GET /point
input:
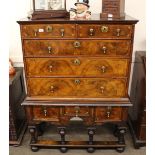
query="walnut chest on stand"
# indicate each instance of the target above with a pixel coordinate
(77, 69)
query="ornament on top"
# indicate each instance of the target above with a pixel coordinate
(81, 11)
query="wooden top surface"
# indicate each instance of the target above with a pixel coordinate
(94, 19)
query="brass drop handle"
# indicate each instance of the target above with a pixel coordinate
(45, 111)
(104, 49)
(62, 32)
(49, 49)
(49, 28)
(77, 110)
(91, 32)
(103, 69)
(77, 81)
(35, 32)
(77, 62)
(77, 44)
(118, 32)
(50, 68)
(104, 29)
(108, 112)
(102, 89)
(52, 89)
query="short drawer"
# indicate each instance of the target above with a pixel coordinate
(77, 66)
(48, 31)
(103, 114)
(43, 113)
(77, 87)
(50, 48)
(105, 31)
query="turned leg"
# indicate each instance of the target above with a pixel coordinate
(33, 132)
(62, 132)
(121, 131)
(91, 132)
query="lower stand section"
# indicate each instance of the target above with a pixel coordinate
(90, 145)
(78, 145)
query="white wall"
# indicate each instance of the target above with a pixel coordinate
(20, 8)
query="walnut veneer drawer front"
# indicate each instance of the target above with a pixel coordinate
(46, 113)
(77, 47)
(108, 114)
(77, 87)
(105, 31)
(48, 31)
(76, 67)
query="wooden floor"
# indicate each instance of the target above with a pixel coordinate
(103, 133)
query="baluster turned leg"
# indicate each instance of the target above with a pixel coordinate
(91, 132)
(33, 132)
(62, 132)
(120, 132)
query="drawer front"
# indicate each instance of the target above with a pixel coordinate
(77, 87)
(103, 114)
(48, 31)
(76, 67)
(43, 113)
(76, 111)
(77, 47)
(105, 31)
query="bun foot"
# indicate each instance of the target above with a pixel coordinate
(90, 150)
(63, 149)
(34, 148)
(120, 149)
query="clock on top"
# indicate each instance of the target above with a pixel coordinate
(44, 9)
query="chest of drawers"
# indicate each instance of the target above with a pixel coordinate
(77, 69)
